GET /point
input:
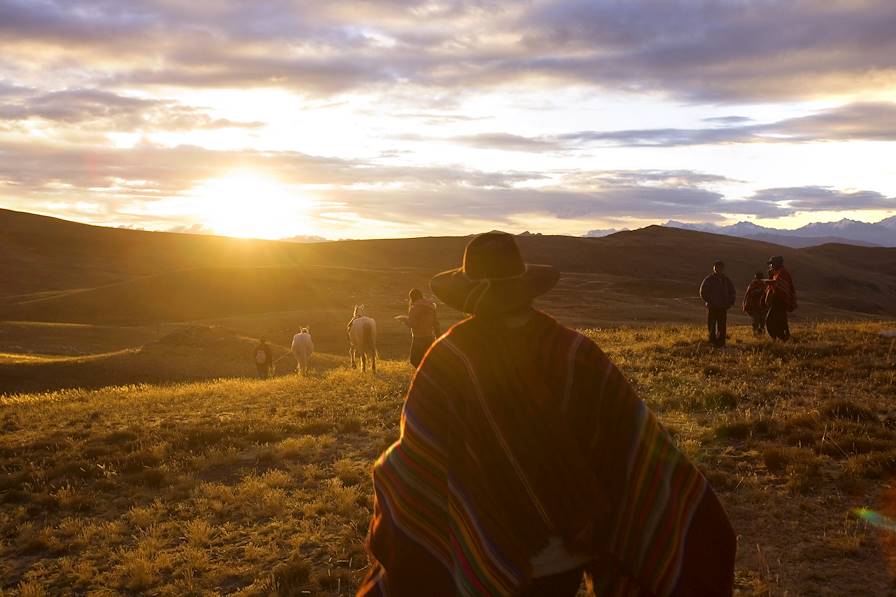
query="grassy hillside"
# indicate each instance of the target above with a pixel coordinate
(40, 254)
(83, 305)
(63, 339)
(36, 357)
(187, 295)
(187, 353)
(246, 487)
(66, 272)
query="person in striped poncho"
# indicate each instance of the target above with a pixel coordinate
(526, 460)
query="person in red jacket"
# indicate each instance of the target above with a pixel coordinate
(754, 303)
(526, 461)
(780, 299)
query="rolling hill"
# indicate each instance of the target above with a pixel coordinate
(60, 271)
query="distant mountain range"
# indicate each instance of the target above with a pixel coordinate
(850, 232)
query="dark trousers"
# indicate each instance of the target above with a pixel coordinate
(565, 584)
(776, 323)
(758, 317)
(264, 370)
(717, 322)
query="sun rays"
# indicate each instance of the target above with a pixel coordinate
(251, 205)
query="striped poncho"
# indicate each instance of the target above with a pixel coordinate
(512, 436)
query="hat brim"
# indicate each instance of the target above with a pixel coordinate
(493, 295)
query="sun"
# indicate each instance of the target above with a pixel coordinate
(249, 205)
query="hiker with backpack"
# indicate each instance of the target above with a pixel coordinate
(754, 303)
(424, 324)
(527, 460)
(780, 298)
(264, 359)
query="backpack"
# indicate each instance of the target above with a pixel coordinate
(753, 300)
(261, 357)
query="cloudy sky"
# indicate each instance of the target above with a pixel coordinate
(373, 118)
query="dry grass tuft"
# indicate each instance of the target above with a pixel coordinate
(31, 589)
(291, 577)
(198, 532)
(847, 409)
(740, 429)
(775, 458)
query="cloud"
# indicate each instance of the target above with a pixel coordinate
(113, 44)
(666, 137)
(503, 205)
(152, 171)
(697, 51)
(8, 89)
(812, 198)
(369, 190)
(77, 22)
(137, 178)
(138, 185)
(73, 71)
(645, 177)
(753, 206)
(866, 121)
(727, 120)
(110, 111)
(717, 51)
(507, 142)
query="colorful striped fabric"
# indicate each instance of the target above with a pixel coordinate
(511, 436)
(781, 291)
(652, 522)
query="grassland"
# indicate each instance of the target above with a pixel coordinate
(258, 487)
(185, 353)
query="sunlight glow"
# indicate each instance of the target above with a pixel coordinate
(875, 519)
(248, 205)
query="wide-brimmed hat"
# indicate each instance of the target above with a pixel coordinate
(493, 277)
(775, 261)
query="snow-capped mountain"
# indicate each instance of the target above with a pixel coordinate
(601, 232)
(846, 231)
